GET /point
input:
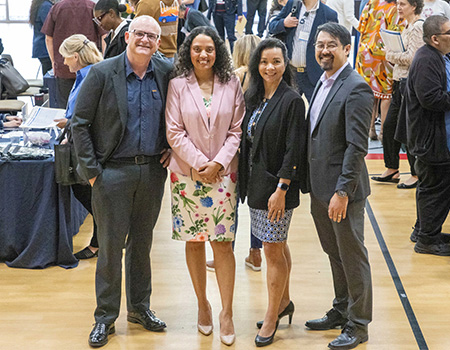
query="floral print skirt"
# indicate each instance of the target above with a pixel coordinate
(203, 212)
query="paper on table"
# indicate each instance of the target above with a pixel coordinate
(241, 25)
(392, 40)
(43, 118)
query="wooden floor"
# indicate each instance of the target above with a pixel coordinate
(53, 308)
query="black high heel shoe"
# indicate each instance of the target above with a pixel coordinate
(264, 341)
(289, 310)
(388, 178)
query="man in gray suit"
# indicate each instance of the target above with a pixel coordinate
(119, 138)
(338, 119)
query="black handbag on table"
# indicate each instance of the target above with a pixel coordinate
(66, 162)
(10, 79)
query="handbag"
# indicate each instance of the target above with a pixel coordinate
(203, 6)
(66, 163)
(10, 79)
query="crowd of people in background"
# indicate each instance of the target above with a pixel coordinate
(149, 85)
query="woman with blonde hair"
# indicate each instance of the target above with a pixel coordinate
(243, 48)
(79, 55)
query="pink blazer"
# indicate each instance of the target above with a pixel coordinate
(193, 140)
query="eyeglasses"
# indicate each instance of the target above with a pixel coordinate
(446, 33)
(303, 19)
(329, 47)
(98, 20)
(140, 35)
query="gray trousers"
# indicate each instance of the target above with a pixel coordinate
(126, 200)
(344, 244)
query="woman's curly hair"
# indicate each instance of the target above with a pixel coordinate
(222, 67)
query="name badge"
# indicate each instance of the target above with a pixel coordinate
(303, 36)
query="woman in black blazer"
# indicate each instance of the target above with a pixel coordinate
(107, 15)
(271, 164)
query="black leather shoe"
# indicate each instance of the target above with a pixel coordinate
(332, 319)
(264, 341)
(99, 334)
(406, 187)
(147, 319)
(289, 310)
(350, 338)
(436, 248)
(388, 178)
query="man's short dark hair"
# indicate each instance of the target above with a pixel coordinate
(432, 26)
(337, 31)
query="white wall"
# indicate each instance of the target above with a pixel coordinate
(17, 39)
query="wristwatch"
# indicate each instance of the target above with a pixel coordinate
(342, 193)
(283, 186)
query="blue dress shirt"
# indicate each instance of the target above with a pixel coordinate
(81, 74)
(144, 132)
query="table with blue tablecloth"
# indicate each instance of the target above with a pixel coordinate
(38, 217)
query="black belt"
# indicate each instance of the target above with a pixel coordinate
(138, 160)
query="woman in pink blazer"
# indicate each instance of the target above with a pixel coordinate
(204, 112)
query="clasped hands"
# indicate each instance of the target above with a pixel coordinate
(207, 173)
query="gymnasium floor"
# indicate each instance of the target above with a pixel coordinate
(53, 308)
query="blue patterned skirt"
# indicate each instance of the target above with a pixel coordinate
(266, 231)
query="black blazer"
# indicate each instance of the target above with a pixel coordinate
(194, 19)
(426, 101)
(118, 45)
(101, 111)
(278, 151)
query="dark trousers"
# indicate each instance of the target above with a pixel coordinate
(391, 147)
(126, 199)
(304, 85)
(63, 88)
(255, 242)
(432, 198)
(225, 21)
(252, 7)
(344, 244)
(84, 193)
(46, 63)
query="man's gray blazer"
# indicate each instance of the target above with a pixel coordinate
(338, 143)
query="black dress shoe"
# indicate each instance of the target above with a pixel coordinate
(405, 186)
(86, 253)
(436, 248)
(350, 338)
(289, 310)
(332, 319)
(99, 334)
(147, 319)
(264, 341)
(388, 178)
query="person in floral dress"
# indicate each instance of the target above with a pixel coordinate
(204, 111)
(371, 62)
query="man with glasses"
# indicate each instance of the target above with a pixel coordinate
(427, 101)
(66, 18)
(339, 119)
(299, 20)
(119, 137)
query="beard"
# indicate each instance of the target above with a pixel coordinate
(328, 64)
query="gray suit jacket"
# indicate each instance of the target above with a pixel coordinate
(101, 111)
(338, 144)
